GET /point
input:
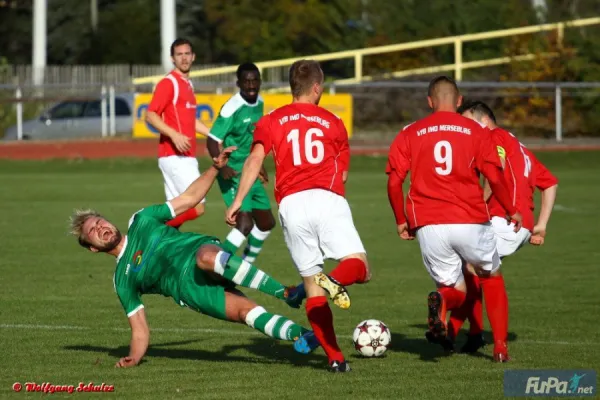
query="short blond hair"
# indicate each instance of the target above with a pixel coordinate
(303, 75)
(76, 222)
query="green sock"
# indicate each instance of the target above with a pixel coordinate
(273, 325)
(247, 275)
(233, 241)
(255, 243)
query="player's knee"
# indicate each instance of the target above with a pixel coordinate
(265, 224)
(367, 276)
(244, 223)
(206, 256)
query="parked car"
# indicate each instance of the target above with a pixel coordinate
(77, 119)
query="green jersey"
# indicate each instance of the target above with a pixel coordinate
(235, 127)
(154, 257)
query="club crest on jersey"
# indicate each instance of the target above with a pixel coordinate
(137, 261)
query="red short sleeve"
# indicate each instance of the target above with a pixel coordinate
(162, 97)
(262, 133)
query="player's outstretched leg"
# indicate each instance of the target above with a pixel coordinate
(321, 320)
(351, 269)
(212, 259)
(239, 308)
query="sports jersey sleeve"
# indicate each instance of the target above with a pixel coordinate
(398, 157)
(130, 300)
(262, 133)
(161, 212)
(222, 126)
(544, 179)
(162, 97)
(397, 168)
(488, 163)
(344, 158)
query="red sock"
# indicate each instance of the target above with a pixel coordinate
(321, 320)
(189, 215)
(470, 309)
(496, 305)
(476, 314)
(349, 271)
(453, 299)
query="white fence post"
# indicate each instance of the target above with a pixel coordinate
(458, 60)
(112, 111)
(103, 112)
(558, 112)
(19, 95)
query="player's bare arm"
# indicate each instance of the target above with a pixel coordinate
(200, 187)
(140, 337)
(213, 148)
(201, 128)
(539, 230)
(250, 172)
(181, 142)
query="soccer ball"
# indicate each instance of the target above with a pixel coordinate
(371, 338)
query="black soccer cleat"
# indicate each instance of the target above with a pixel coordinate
(437, 327)
(339, 366)
(473, 344)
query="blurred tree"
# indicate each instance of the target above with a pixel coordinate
(15, 32)
(248, 30)
(128, 33)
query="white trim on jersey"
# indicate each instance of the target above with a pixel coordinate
(234, 103)
(175, 98)
(175, 88)
(124, 245)
(213, 137)
(173, 215)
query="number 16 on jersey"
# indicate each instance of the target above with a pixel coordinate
(314, 152)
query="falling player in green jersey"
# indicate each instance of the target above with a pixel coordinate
(235, 127)
(193, 269)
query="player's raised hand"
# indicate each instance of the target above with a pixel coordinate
(221, 160)
(538, 236)
(404, 232)
(182, 143)
(125, 362)
(518, 220)
(232, 213)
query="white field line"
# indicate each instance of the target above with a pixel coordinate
(229, 332)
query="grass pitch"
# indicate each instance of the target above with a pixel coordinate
(62, 323)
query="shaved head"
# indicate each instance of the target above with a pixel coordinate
(443, 94)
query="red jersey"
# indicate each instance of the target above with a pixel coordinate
(517, 172)
(444, 152)
(174, 101)
(310, 148)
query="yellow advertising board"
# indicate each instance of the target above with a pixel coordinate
(209, 105)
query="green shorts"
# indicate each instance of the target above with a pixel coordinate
(257, 198)
(200, 292)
